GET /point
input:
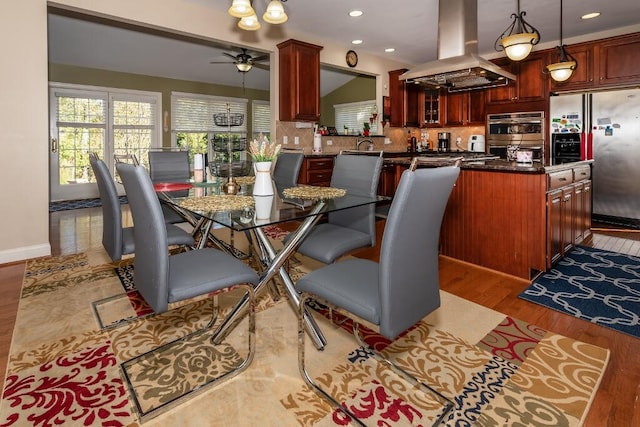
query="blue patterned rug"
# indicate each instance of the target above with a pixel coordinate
(595, 285)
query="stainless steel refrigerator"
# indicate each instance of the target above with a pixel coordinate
(609, 126)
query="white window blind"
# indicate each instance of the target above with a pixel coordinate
(261, 118)
(194, 113)
(354, 114)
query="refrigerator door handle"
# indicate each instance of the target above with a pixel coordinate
(589, 145)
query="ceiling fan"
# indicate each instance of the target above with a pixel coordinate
(244, 61)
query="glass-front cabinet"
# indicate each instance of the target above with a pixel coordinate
(432, 104)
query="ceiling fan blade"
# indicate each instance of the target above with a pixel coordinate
(234, 57)
(221, 62)
(261, 66)
(260, 58)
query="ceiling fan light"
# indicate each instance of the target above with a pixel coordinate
(244, 67)
(275, 13)
(518, 46)
(241, 9)
(249, 23)
(561, 71)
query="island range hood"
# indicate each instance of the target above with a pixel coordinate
(459, 67)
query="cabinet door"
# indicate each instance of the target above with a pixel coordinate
(432, 108)
(617, 61)
(396, 95)
(387, 182)
(586, 210)
(554, 227)
(568, 218)
(413, 94)
(299, 80)
(532, 82)
(579, 217)
(456, 105)
(582, 77)
(476, 108)
(507, 93)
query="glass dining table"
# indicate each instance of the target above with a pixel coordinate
(206, 204)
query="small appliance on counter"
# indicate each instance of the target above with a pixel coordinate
(476, 143)
(444, 141)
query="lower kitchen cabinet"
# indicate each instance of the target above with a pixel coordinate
(316, 170)
(387, 181)
(568, 211)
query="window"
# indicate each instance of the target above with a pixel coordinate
(193, 124)
(353, 116)
(261, 118)
(133, 125)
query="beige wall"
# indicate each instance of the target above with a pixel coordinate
(24, 171)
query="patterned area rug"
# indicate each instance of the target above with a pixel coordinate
(598, 286)
(64, 370)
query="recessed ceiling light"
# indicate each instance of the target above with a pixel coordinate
(390, 49)
(356, 42)
(355, 13)
(591, 15)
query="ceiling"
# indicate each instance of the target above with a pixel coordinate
(411, 29)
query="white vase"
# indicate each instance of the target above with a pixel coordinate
(263, 185)
(263, 208)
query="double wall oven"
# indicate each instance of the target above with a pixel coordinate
(509, 132)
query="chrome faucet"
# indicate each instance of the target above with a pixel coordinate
(361, 140)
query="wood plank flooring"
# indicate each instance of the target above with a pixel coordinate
(617, 403)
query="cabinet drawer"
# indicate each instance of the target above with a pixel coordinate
(319, 177)
(323, 163)
(582, 172)
(560, 179)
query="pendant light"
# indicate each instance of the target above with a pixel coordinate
(519, 37)
(561, 71)
(275, 13)
(241, 9)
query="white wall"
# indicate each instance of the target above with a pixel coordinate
(24, 164)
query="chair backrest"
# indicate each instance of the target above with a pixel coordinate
(287, 169)
(151, 264)
(169, 166)
(358, 174)
(111, 210)
(409, 283)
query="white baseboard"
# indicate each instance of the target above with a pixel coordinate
(26, 252)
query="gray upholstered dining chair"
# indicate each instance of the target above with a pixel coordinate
(169, 166)
(287, 169)
(163, 279)
(116, 240)
(349, 229)
(403, 287)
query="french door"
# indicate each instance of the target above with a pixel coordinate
(106, 121)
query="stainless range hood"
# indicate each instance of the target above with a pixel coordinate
(459, 67)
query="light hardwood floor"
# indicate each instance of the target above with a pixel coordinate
(616, 404)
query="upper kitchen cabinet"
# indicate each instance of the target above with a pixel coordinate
(406, 99)
(529, 89)
(299, 77)
(431, 108)
(465, 108)
(603, 63)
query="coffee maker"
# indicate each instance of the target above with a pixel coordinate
(444, 139)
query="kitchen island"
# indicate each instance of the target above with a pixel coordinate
(514, 218)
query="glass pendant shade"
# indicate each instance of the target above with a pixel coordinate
(241, 9)
(275, 13)
(244, 67)
(250, 23)
(518, 46)
(561, 71)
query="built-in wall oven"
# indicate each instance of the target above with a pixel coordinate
(509, 132)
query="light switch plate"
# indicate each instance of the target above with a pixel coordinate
(285, 140)
(296, 140)
(329, 142)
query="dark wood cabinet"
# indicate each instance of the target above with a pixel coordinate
(405, 101)
(465, 108)
(387, 181)
(299, 77)
(616, 61)
(316, 170)
(530, 87)
(431, 108)
(603, 63)
(555, 222)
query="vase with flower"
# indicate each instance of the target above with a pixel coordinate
(263, 153)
